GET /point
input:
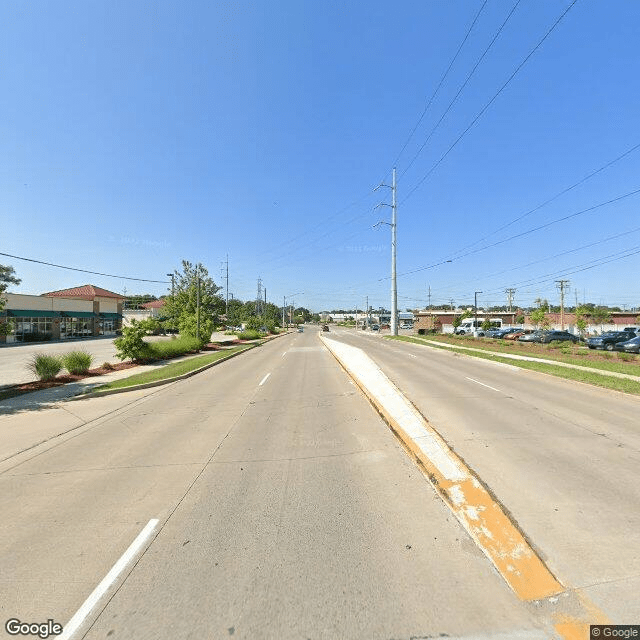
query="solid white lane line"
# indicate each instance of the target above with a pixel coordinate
(72, 626)
(483, 384)
(264, 379)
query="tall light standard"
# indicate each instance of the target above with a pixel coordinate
(475, 308)
(393, 225)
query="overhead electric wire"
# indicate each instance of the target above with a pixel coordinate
(442, 79)
(484, 109)
(553, 198)
(461, 89)
(524, 233)
(95, 273)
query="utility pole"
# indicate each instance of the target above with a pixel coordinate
(510, 293)
(394, 225)
(368, 314)
(198, 304)
(475, 307)
(172, 276)
(284, 301)
(226, 311)
(562, 285)
(429, 296)
(259, 297)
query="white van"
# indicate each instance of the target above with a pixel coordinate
(470, 325)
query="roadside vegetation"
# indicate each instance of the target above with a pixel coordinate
(173, 370)
(559, 351)
(590, 377)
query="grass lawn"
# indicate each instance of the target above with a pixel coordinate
(595, 378)
(172, 370)
(604, 360)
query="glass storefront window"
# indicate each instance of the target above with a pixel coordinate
(26, 329)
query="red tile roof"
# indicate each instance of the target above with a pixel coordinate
(86, 292)
(154, 304)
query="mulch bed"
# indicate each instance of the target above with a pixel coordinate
(58, 381)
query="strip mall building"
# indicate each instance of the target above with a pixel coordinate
(58, 315)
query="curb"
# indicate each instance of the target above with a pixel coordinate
(158, 383)
(472, 503)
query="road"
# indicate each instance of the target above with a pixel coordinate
(287, 508)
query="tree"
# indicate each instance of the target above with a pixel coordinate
(600, 315)
(457, 321)
(181, 307)
(539, 318)
(582, 314)
(7, 277)
(519, 319)
(486, 325)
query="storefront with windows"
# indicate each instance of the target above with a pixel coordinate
(82, 312)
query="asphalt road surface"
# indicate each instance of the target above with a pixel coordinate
(286, 507)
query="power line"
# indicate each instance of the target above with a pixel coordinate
(442, 79)
(482, 111)
(553, 198)
(524, 233)
(95, 273)
(460, 90)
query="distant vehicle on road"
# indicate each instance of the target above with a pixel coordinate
(300, 330)
(629, 346)
(608, 340)
(325, 327)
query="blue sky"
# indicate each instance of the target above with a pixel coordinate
(136, 134)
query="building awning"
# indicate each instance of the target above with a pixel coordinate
(32, 313)
(79, 314)
(111, 316)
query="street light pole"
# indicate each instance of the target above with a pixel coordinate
(198, 303)
(475, 308)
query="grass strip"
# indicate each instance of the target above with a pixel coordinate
(581, 358)
(595, 378)
(171, 370)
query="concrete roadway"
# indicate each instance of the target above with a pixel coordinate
(287, 508)
(561, 456)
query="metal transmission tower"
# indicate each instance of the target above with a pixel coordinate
(393, 225)
(562, 285)
(510, 293)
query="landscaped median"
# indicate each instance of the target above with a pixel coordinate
(167, 373)
(590, 368)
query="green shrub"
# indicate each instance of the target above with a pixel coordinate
(626, 357)
(131, 344)
(45, 367)
(36, 337)
(77, 362)
(171, 348)
(249, 334)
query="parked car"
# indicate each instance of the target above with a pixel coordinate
(608, 340)
(517, 334)
(375, 327)
(300, 330)
(500, 332)
(628, 346)
(535, 336)
(561, 336)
